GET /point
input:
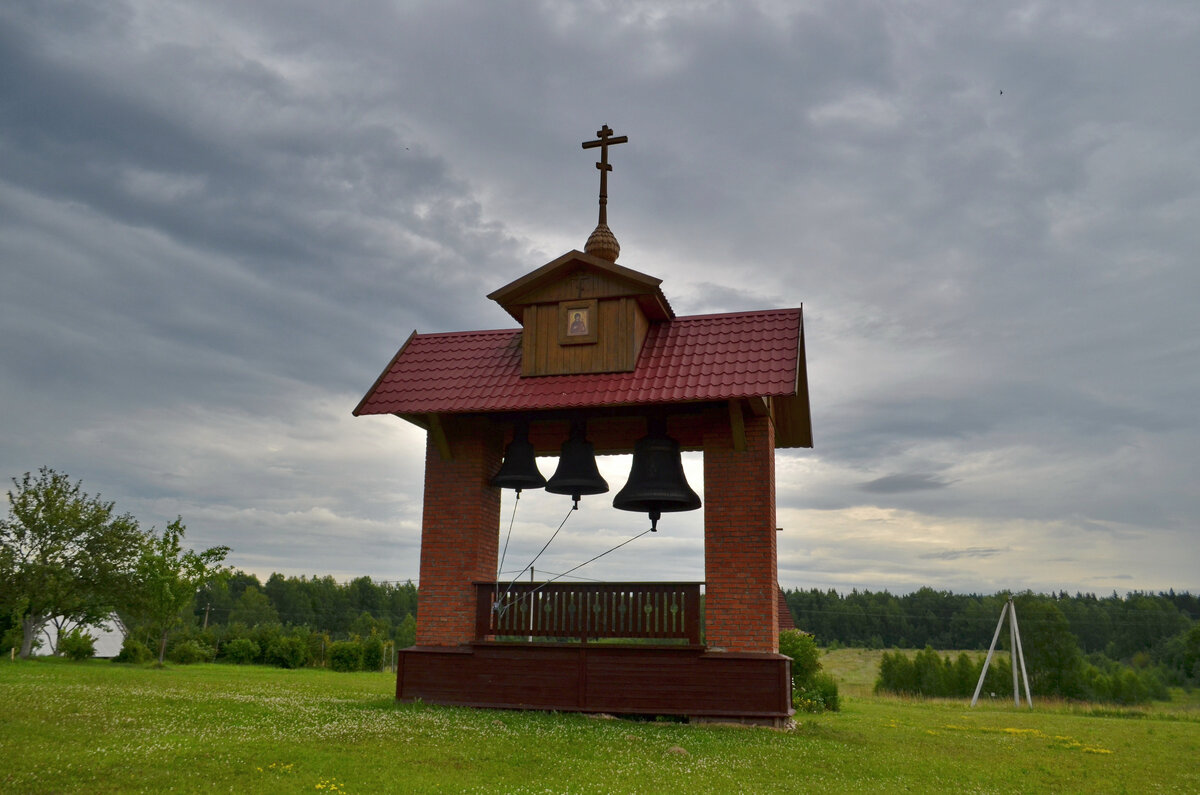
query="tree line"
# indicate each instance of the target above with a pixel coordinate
(1118, 626)
(1126, 649)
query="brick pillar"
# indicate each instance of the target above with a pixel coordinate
(459, 531)
(741, 596)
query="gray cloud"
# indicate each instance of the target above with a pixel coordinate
(895, 484)
(218, 221)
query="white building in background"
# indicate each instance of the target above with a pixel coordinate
(108, 635)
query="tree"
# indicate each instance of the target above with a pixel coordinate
(169, 577)
(62, 553)
(253, 608)
(1052, 657)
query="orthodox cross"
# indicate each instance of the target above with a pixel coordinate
(604, 141)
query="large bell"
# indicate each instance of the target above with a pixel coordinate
(519, 470)
(656, 481)
(577, 473)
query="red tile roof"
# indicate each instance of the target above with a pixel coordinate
(698, 358)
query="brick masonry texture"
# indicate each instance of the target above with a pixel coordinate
(459, 531)
(741, 591)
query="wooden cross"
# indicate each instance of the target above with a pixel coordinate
(604, 141)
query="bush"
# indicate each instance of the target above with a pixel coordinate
(134, 651)
(372, 654)
(264, 635)
(345, 656)
(77, 645)
(287, 652)
(241, 651)
(812, 691)
(191, 651)
(820, 694)
(802, 648)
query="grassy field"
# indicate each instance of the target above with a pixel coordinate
(99, 727)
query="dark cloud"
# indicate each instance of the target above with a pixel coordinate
(898, 483)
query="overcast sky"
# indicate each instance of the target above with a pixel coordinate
(219, 221)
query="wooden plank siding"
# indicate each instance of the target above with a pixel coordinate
(622, 331)
(636, 680)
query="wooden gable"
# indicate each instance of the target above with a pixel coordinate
(582, 314)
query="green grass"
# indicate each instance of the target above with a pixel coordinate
(100, 727)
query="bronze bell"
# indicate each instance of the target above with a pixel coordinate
(656, 481)
(519, 470)
(577, 473)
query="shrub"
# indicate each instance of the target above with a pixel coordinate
(134, 651)
(287, 652)
(802, 648)
(345, 656)
(812, 691)
(77, 645)
(372, 654)
(191, 651)
(241, 651)
(818, 695)
(264, 635)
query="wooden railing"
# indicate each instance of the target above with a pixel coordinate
(589, 611)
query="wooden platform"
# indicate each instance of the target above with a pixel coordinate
(687, 681)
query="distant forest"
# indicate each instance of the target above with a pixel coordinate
(360, 607)
(1117, 626)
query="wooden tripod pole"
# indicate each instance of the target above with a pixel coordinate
(1017, 656)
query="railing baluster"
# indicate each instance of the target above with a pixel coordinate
(588, 611)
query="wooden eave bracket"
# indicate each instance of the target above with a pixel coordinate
(737, 425)
(438, 434)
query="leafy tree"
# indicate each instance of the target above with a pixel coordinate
(254, 608)
(406, 633)
(1052, 657)
(62, 553)
(169, 577)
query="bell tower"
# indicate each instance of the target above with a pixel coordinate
(600, 363)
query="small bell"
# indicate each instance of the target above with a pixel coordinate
(577, 473)
(519, 470)
(656, 483)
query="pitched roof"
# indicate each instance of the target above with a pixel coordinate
(516, 294)
(697, 358)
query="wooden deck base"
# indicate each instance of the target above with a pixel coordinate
(622, 680)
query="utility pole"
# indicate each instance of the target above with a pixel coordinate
(206, 609)
(1016, 654)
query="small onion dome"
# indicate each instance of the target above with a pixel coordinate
(603, 244)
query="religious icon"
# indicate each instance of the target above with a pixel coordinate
(577, 322)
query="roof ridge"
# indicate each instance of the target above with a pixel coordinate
(749, 313)
(474, 332)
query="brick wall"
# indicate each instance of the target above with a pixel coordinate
(741, 597)
(461, 523)
(459, 531)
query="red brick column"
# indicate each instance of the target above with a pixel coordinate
(741, 597)
(459, 531)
